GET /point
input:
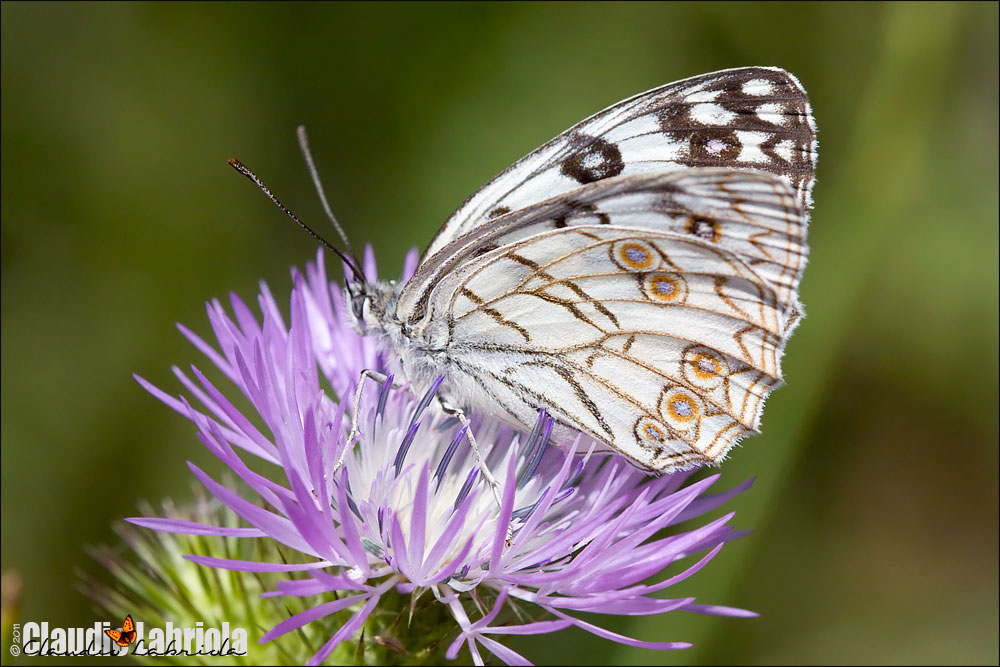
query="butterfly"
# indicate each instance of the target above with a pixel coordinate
(126, 635)
(636, 277)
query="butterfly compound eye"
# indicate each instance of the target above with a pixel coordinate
(358, 306)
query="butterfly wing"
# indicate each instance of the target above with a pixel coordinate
(751, 118)
(639, 315)
(751, 214)
(126, 635)
(128, 630)
(117, 637)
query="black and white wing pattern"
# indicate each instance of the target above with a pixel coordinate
(637, 276)
(647, 311)
(747, 118)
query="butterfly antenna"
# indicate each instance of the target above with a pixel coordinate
(240, 167)
(314, 173)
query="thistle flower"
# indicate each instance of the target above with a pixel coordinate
(409, 522)
(156, 585)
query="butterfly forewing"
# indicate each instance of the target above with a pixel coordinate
(749, 118)
(752, 215)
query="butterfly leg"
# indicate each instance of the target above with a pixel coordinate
(487, 475)
(355, 430)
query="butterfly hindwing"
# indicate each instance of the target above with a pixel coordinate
(748, 118)
(620, 368)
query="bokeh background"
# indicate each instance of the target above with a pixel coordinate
(875, 507)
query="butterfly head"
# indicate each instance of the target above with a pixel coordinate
(369, 303)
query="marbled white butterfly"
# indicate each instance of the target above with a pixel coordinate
(636, 277)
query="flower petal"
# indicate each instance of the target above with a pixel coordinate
(192, 528)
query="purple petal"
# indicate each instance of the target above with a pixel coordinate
(314, 461)
(371, 272)
(716, 610)
(321, 582)
(192, 528)
(269, 307)
(410, 264)
(619, 603)
(506, 508)
(537, 628)
(310, 615)
(450, 532)
(621, 639)
(254, 566)
(398, 543)
(301, 588)
(497, 606)
(677, 578)
(418, 522)
(217, 359)
(509, 656)
(346, 631)
(707, 503)
(351, 536)
(449, 569)
(244, 317)
(277, 527)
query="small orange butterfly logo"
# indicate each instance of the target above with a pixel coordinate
(126, 635)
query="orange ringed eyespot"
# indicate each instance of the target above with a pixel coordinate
(705, 367)
(664, 287)
(636, 256)
(653, 433)
(682, 408)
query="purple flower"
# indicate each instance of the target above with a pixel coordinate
(409, 512)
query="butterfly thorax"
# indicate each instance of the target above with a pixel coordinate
(373, 314)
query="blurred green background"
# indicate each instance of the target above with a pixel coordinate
(875, 508)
